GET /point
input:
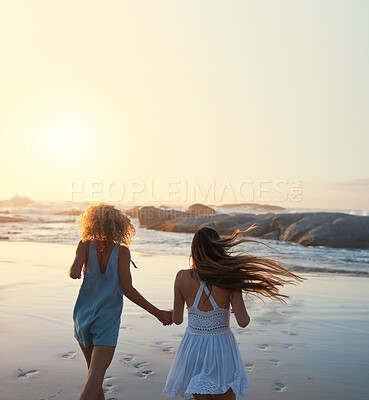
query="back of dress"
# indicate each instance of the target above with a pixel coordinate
(208, 360)
(99, 304)
(207, 322)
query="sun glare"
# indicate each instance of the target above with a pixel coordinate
(64, 140)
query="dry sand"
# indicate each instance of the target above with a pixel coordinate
(315, 348)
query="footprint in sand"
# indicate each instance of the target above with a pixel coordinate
(52, 396)
(249, 367)
(263, 332)
(264, 347)
(126, 327)
(168, 350)
(288, 346)
(289, 333)
(279, 387)
(127, 358)
(266, 322)
(242, 331)
(26, 374)
(160, 344)
(275, 362)
(140, 364)
(165, 348)
(70, 354)
(144, 374)
(107, 387)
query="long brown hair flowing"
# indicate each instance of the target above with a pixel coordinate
(216, 263)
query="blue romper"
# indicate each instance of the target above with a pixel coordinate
(99, 304)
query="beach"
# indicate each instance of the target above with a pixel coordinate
(315, 347)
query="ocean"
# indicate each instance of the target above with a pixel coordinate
(43, 225)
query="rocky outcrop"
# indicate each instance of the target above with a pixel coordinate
(200, 209)
(338, 230)
(153, 217)
(309, 229)
(132, 212)
(69, 212)
(253, 206)
(5, 219)
(16, 201)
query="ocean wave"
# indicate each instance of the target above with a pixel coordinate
(46, 227)
(328, 271)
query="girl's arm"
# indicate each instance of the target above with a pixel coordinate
(238, 305)
(165, 317)
(179, 300)
(80, 258)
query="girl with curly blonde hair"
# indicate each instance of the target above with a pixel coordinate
(104, 256)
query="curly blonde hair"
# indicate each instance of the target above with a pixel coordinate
(105, 223)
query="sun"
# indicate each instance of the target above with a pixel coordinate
(64, 140)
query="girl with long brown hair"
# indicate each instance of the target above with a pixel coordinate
(208, 364)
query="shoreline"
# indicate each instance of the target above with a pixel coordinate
(317, 346)
(294, 262)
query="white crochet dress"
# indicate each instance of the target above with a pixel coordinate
(208, 360)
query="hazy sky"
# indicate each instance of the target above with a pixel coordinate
(186, 90)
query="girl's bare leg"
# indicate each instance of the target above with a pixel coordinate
(100, 360)
(229, 395)
(87, 352)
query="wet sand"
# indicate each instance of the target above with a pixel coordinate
(317, 347)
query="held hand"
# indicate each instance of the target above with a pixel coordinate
(165, 317)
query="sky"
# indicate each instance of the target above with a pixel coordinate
(109, 98)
